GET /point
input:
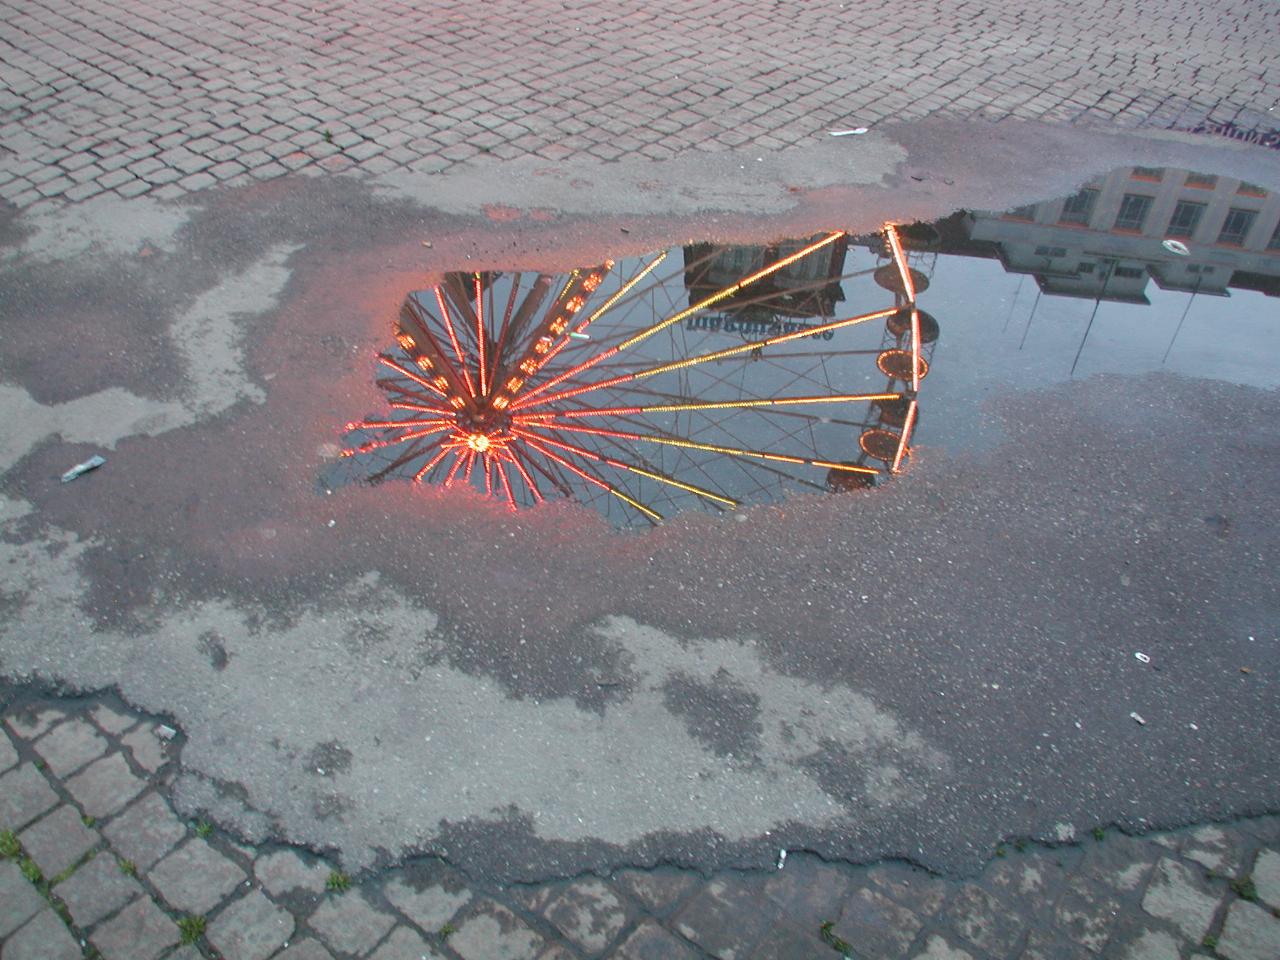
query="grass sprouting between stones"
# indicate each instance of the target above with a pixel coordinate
(338, 882)
(192, 928)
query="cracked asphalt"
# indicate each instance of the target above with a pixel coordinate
(378, 672)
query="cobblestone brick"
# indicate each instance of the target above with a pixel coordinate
(195, 877)
(724, 916)
(404, 944)
(589, 914)
(110, 720)
(44, 937)
(284, 870)
(8, 755)
(492, 932)
(30, 725)
(877, 924)
(58, 840)
(105, 786)
(252, 928)
(24, 795)
(19, 900)
(1250, 933)
(350, 924)
(1266, 877)
(306, 950)
(145, 832)
(649, 941)
(981, 919)
(1179, 896)
(96, 890)
(428, 897)
(146, 748)
(140, 931)
(660, 889)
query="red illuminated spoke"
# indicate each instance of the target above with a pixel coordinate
(429, 466)
(416, 449)
(481, 344)
(524, 475)
(453, 339)
(458, 460)
(651, 514)
(372, 445)
(589, 384)
(632, 468)
(551, 473)
(504, 482)
(406, 372)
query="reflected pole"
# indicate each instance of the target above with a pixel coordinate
(1111, 266)
(1181, 321)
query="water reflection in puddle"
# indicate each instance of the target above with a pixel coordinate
(713, 375)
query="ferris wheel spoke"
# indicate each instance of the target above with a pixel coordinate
(690, 361)
(591, 477)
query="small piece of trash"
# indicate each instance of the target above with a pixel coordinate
(1176, 246)
(426, 243)
(1246, 669)
(165, 732)
(93, 463)
(333, 523)
(782, 858)
(1143, 657)
(1138, 718)
(1193, 726)
(624, 230)
(847, 133)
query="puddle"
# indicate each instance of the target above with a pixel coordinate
(707, 376)
(921, 668)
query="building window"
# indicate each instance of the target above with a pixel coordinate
(1251, 190)
(1185, 219)
(1132, 273)
(1153, 174)
(1236, 227)
(1051, 252)
(1085, 268)
(1079, 208)
(1133, 211)
(1201, 181)
(1274, 242)
(1196, 268)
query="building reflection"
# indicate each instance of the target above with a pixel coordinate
(809, 286)
(804, 294)
(1107, 241)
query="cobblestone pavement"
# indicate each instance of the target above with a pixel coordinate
(158, 97)
(95, 863)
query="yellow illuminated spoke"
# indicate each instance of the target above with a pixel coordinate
(591, 478)
(700, 305)
(710, 405)
(632, 468)
(731, 290)
(702, 358)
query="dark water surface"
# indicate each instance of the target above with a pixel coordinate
(667, 377)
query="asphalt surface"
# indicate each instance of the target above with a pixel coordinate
(918, 671)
